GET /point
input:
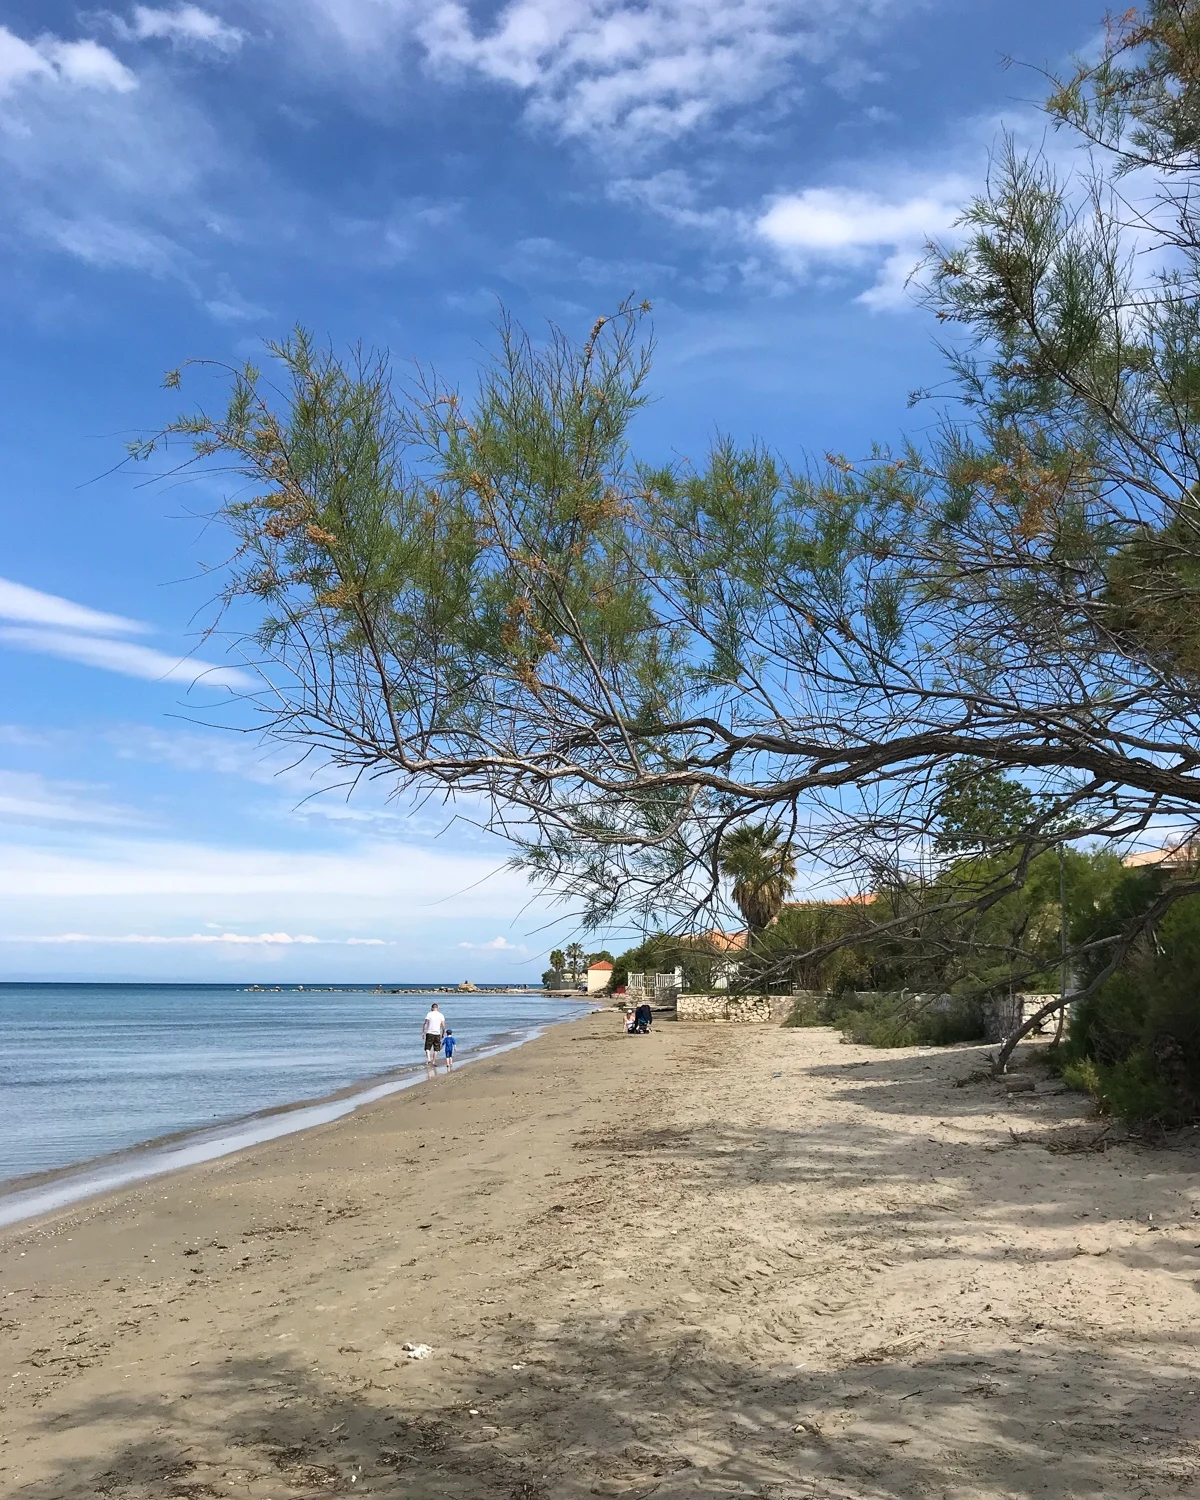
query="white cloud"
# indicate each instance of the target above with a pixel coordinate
(824, 221)
(497, 945)
(849, 227)
(109, 244)
(105, 164)
(70, 64)
(653, 70)
(418, 901)
(19, 61)
(649, 71)
(60, 627)
(86, 64)
(32, 607)
(392, 877)
(27, 796)
(125, 657)
(185, 26)
(238, 939)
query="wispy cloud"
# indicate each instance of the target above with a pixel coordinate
(223, 754)
(22, 736)
(211, 899)
(105, 159)
(32, 607)
(58, 627)
(675, 196)
(125, 657)
(110, 244)
(388, 876)
(183, 26)
(29, 797)
(497, 945)
(201, 939)
(646, 72)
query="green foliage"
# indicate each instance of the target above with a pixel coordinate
(1134, 1044)
(1141, 98)
(762, 868)
(892, 1020)
(979, 807)
(552, 978)
(806, 928)
(1083, 1076)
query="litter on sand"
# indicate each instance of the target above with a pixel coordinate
(417, 1351)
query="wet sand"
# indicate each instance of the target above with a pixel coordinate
(642, 1266)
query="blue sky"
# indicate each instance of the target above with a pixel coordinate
(186, 180)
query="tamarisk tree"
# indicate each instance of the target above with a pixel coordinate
(487, 595)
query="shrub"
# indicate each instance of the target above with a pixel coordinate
(891, 1020)
(816, 1008)
(1084, 1078)
(1134, 1045)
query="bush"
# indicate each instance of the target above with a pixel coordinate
(891, 1020)
(1133, 1090)
(815, 1008)
(1084, 1078)
(1134, 1045)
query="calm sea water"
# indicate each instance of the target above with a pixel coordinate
(89, 1069)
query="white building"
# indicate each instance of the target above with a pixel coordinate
(598, 976)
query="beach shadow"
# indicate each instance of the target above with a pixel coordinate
(634, 1406)
(935, 1194)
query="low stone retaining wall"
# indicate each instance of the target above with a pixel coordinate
(726, 1007)
(1002, 1016)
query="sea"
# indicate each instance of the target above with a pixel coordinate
(89, 1072)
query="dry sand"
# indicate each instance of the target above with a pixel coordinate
(711, 1262)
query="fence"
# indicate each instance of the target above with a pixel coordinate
(661, 989)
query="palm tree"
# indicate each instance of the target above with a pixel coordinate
(575, 958)
(762, 870)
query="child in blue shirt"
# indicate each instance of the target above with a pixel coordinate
(448, 1049)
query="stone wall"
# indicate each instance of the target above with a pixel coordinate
(1007, 1013)
(1002, 1015)
(726, 1007)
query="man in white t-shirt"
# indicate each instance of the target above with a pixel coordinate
(433, 1029)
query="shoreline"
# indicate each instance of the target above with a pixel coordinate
(28, 1197)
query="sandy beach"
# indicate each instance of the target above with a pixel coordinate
(711, 1262)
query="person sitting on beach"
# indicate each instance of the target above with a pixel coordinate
(448, 1049)
(433, 1029)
